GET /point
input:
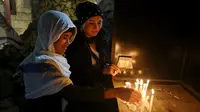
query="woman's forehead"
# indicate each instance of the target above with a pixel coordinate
(95, 18)
(66, 33)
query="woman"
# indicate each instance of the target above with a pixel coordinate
(46, 71)
(87, 57)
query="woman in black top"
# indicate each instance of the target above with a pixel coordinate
(87, 58)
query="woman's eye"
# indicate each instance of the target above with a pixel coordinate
(91, 23)
(100, 23)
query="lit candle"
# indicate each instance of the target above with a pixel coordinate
(151, 101)
(146, 102)
(137, 80)
(142, 105)
(148, 81)
(136, 85)
(128, 84)
(144, 89)
(124, 72)
(141, 84)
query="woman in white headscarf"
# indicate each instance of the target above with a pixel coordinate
(46, 71)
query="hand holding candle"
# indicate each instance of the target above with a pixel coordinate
(128, 94)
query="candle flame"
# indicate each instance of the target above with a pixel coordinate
(133, 61)
(140, 71)
(152, 91)
(141, 82)
(128, 84)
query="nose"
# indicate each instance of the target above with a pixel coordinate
(67, 42)
(96, 26)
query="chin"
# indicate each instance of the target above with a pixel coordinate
(93, 35)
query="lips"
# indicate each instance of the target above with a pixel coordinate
(95, 32)
(65, 47)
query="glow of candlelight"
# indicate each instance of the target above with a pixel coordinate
(140, 71)
(137, 80)
(141, 82)
(136, 85)
(128, 84)
(144, 89)
(124, 72)
(148, 81)
(151, 101)
(152, 91)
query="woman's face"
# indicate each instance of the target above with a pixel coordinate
(92, 26)
(62, 43)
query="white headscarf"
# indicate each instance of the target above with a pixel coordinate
(50, 27)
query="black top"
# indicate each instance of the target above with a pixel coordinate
(52, 103)
(84, 73)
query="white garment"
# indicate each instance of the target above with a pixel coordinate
(96, 53)
(50, 27)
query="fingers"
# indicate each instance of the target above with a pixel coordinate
(129, 94)
(135, 96)
(114, 70)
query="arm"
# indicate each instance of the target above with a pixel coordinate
(86, 94)
(83, 94)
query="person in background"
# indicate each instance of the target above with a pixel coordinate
(46, 74)
(87, 58)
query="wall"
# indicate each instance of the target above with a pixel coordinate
(165, 35)
(2, 7)
(23, 16)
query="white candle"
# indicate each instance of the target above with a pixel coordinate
(144, 90)
(128, 84)
(136, 85)
(151, 101)
(137, 80)
(142, 106)
(141, 84)
(148, 83)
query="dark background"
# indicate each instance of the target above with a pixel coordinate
(166, 35)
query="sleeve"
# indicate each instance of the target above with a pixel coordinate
(82, 72)
(82, 94)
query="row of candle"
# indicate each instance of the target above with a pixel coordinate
(142, 88)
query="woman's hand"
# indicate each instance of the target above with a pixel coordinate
(128, 94)
(111, 69)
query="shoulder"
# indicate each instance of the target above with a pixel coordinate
(41, 67)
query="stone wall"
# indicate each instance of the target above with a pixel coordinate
(23, 16)
(21, 20)
(66, 6)
(2, 7)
